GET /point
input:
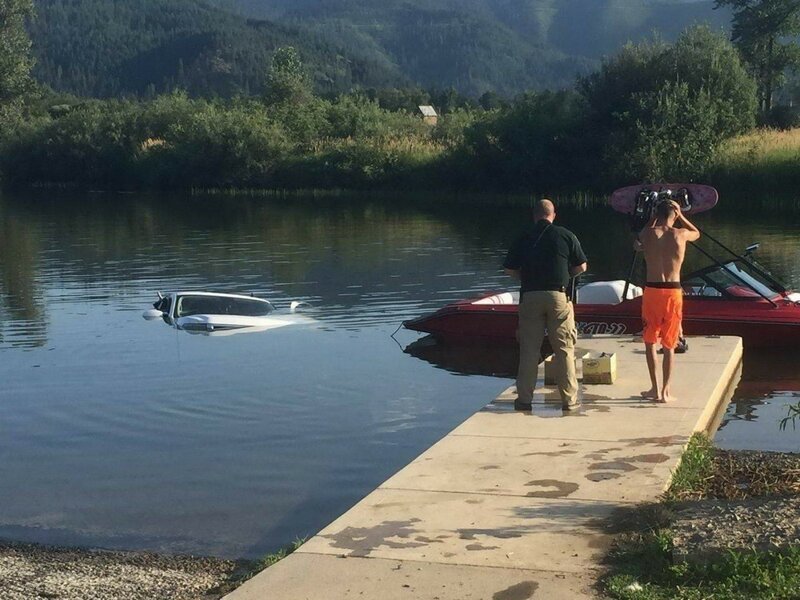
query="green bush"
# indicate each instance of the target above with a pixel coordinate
(674, 139)
(304, 123)
(356, 117)
(657, 110)
(537, 144)
(171, 142)
(93, 144)
(451, 128)
(214, 146)
(368, 163)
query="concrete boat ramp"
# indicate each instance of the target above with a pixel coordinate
(512, 506)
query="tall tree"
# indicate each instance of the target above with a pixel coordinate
(288, 80)
(659, 112)
(764, 32)
(15, 48)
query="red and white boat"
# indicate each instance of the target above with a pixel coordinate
(737, 297)
(716, 302)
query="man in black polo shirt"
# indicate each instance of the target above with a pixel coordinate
(544, 259)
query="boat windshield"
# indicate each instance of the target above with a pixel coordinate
(736, 280)
(221, 305)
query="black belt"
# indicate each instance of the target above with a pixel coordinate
(664, 285)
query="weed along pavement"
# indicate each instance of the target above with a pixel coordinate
(514, 505)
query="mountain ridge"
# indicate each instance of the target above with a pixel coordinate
(550, 41)
(223, 47)
(138, 47)
(557, 23)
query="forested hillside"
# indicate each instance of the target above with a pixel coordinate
(480, 45)
(587, 28)
(445, 46)
(223, 47)
(141, 47)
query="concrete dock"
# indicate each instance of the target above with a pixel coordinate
(509, 505)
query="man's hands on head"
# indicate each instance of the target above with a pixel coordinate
(678, 213)
(691, 232)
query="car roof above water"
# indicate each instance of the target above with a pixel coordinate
(219, 295)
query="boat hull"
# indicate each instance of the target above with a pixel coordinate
(757, 322)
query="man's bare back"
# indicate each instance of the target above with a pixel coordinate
(664, 247)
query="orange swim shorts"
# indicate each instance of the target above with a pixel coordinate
(662, 311)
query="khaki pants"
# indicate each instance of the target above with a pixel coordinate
(538, 310)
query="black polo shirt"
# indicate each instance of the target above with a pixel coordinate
(544, 256)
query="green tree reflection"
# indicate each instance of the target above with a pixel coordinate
(21, 299)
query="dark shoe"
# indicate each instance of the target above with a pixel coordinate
(522, 405)
(682, 347)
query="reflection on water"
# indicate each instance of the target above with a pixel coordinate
(22, 310)
(752, 422)
(467, 360)
(770, 383)
(126, 434)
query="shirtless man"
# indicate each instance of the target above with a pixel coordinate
(664, 246)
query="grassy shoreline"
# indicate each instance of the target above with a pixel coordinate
(643, 565)
(762, 166)
(762, 161)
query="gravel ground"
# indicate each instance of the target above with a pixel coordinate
(751, 501)
(31, 572)
(709, 528)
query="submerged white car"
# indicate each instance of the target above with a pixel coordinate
(207, 312)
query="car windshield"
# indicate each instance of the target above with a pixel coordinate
(221, 305)
(736, 280)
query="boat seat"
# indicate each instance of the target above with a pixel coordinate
(504, 298)
(606, 292)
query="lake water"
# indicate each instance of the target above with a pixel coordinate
(122, 433)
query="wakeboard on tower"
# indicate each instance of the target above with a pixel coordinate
(640, 201)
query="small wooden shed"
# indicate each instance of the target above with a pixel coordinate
(429, 115)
